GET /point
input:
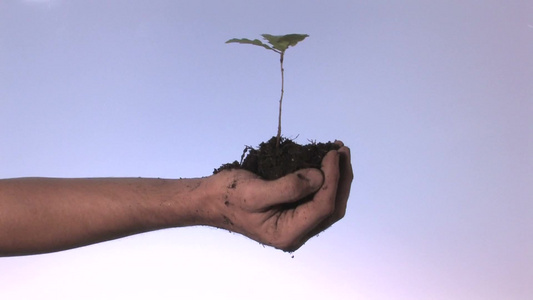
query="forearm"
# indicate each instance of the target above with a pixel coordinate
(45, 214)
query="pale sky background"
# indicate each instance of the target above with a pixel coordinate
(435, 99)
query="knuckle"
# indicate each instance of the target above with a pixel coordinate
(294, 189)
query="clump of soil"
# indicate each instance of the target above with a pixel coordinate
(271, 163)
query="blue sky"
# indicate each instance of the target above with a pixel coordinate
(434, 99)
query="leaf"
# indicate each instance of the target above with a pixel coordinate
(282, 42)
(248, 41)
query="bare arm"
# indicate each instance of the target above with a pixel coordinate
(47, 214)
(39, 215)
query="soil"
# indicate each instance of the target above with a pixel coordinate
(271, 163)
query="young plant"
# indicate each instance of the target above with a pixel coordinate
(278, 44)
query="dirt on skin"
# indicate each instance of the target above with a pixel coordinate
(271, 163)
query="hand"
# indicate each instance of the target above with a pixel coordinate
(278, 213)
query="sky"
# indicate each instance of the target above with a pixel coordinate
(434, 99)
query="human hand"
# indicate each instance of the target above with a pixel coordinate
(284, 213)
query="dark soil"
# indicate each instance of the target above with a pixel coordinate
(271, 163)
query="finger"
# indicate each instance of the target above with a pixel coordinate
(343, 193)
(324, 200)
(345, 183)
(290, 188)
(309, 215)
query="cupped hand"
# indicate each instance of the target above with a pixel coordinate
(286, 212)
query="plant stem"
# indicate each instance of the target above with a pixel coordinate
(278, 137)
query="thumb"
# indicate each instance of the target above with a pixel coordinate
(293, 187)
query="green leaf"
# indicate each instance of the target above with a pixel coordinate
(248, 41)
(282, 42)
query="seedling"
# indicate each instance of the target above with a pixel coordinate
(278, 44)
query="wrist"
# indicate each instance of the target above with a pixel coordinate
(190, 202)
